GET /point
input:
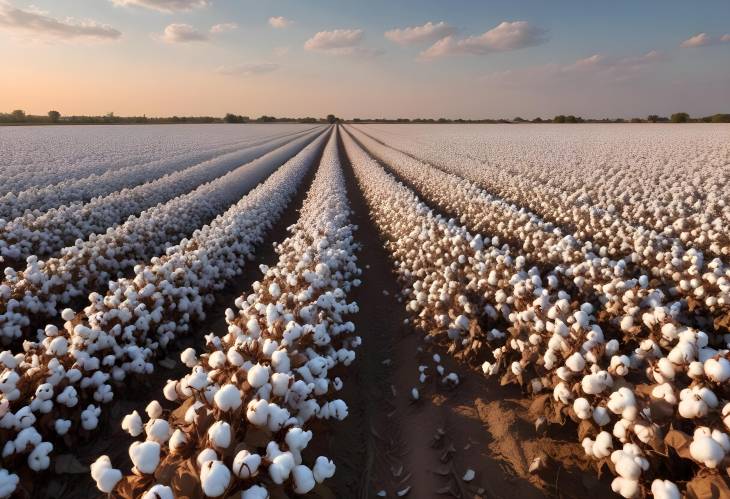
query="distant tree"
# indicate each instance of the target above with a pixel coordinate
(537, 120)
(680, 118)
(18, 115)
(571, 119)
(331, 118)
(559, 118)
(635, 120)
(54, 116)
(230, 118)
(519, 120)
(652, 118)
(720, 118)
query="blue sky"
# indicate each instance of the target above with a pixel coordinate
(528, 58)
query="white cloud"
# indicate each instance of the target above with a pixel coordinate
(280, 22)
(249, 69)
(703, 39)
(182, 33)
(333, 40)
(223, 28)
(164, 5)
(429, 32)
(41, 25)
(504, 37)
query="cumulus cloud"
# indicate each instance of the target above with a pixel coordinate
(249, 69)
(341, 42)
(280, 22)
(41, 25)
(182, 33)
(164, 5)
(703, 39)
(429, 32)
(223, 28)
(504, 37)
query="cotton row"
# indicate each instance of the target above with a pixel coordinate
(240, 417)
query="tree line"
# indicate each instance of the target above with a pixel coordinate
(19, 117)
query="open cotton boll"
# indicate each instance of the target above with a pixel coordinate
(303, 479)
(625, 487)
(575, 362)
(217, 359)
(189, 357)
(257, 412)
(323, 469)
(206, 455)
(582, 408)
(281, 467)
(38, 460)
(704, 449)
(255, 492)
(132, 424)
(158, 430)
(718, 370)
(158, 492)
(228, 398)
(62, 426)
(145, 456)
(245, 464)
(214, 478)
(153, 410)
(105, 476)
(177, 441)
(258, 376)
(664, 489)
(219, 434)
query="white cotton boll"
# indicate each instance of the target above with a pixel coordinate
(323, 469)
(303, 479)
(696, 370)
(170, 390)
(217, 360)
(145, 456)
(158, 430)
(603, 446)
(625, 487)
(219, 434)
(255, 492)
(623, 402)
(414, 394)
(258, 376)
(38, 460)
(280, 361)
(601, 416)
(177, 440)
(159, 492)
(228, 398)
(214, 478)
(280, 384)
(664, 489)
(132, 424)
(253, 328)
(707, 451)
(67, 314)
(582, 408)
(234, 358)
(245, 464)
(575, 362)
(62, 426)
(257, 412)
(206, 455)
(105, 476)
(58, 346)
(718, 370)
(281, 467)
(562, 393)
(189, 357)
(153, 410)
(593, 384)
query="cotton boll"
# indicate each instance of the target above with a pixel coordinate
(158, 430)
(575, 362)
(707, 451)
(38, 460)
(145, 456)
(189, 357)
(664, 489)
(303, 479)
(258, 376)
(718, 370)
(132, 424)
(159, 492)
(170, 390)
(219, 434)
(206, 455)
(601, 416)
(177, 441)
(281, 467)
(105, 476)
(62, 426)
(245, 464)
(625, 487)
(323, 469)
(228, 398)
(214, 478)
(255, 492)
(582, 408)
(257, 412)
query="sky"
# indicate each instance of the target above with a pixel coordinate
(366, 58)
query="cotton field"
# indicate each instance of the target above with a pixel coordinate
(365, 310)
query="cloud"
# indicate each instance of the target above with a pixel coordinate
(703, 39)
(182, 33)
(40, 24)
(280, 22)
(223, 28)
(429, 32)
(249, 69)
(341, 42)
(164, 5)
(597, 67)
(502, 38)
(281, 51)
